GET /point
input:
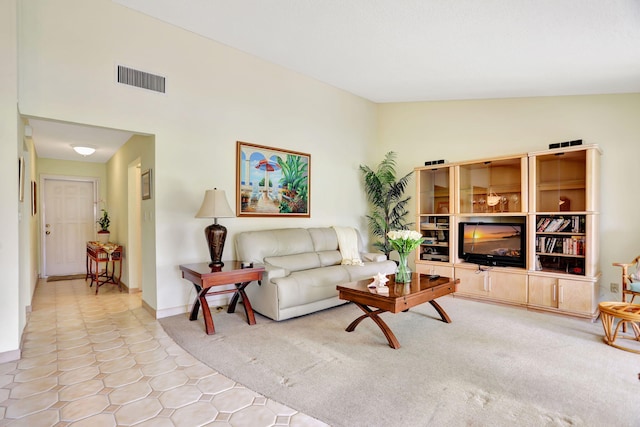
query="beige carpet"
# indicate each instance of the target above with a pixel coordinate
(493, 366)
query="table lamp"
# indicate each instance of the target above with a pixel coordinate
(215, 206)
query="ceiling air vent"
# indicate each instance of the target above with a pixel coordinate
(137, 78)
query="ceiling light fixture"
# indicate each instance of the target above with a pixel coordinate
(84, 150)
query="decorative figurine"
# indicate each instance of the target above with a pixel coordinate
(379, 284)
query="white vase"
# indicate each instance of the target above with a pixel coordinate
(103, 237)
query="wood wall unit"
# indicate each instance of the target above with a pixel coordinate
(435, 202)
(561, 185)
(496, 284)
(558, 294)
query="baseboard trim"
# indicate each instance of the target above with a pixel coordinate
(10, 356)
(214, 301)
(174, 311)
(149, 309)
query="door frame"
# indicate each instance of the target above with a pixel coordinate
(43, 209)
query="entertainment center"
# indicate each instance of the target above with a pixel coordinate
(520, 229)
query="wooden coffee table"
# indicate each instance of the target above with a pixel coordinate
(401, 297)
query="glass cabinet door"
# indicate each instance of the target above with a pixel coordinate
(434, 191)
(492, 186)
(561, 182)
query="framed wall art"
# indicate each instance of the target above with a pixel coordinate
(145, 178)
(272, 181)
(34, 198)
(21, 178)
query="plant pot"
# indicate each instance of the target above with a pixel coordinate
(103, 236)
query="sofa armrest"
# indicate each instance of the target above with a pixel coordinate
(373, 257)
(273, 272)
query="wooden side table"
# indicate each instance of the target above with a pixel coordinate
(204, 278)
(107, 253)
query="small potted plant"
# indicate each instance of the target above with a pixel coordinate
(104, 222)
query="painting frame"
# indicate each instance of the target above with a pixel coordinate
(21, 178)
(145, 184)
(286, 193)
(34, 198)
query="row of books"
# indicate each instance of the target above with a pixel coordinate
(573, 245)
(573, 224)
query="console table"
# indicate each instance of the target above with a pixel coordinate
(107, 253)
(204, 278)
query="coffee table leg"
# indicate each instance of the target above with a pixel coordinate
(373, 315)
(443, 314)
(251, 318)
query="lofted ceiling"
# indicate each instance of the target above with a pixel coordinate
(422, 50)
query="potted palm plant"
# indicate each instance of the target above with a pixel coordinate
(385, 193)
(104, 222)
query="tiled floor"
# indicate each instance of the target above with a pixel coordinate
(104, 361)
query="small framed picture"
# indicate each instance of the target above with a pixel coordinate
(21, 178)
(146, 184)
(34, 198)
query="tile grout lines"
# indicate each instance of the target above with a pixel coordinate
(102, 360)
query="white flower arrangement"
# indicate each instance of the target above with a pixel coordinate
(404, 241)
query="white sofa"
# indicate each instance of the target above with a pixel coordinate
(302, 268)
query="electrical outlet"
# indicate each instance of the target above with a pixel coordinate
(614, 287)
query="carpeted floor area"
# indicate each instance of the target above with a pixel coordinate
(493, 365)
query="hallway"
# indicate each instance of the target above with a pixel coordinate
(104, 361)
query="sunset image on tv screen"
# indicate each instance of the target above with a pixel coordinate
(494, 239)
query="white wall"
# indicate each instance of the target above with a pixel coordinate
(467, 130)
(215, 97)
(139, 149)
(10, 149)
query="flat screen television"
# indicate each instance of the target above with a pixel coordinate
(497, 244)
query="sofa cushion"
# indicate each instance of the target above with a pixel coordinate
(369, 269)
(324, 239)
(295, 262)
(255, 246)
(329, 258)
(373, 257)
(302, 287)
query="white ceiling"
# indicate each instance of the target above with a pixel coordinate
(421, 50)
(418, 50)
(54, 140)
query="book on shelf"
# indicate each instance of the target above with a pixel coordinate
(565, 225)
(544, 222)
(554, 225)
(561, 224)
(574, 245)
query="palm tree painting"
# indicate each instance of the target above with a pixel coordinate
(271, 181)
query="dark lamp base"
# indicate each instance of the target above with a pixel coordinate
(216, 234)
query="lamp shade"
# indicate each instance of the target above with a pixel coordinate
(215, 205)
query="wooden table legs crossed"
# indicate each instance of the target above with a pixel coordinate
(401, 297)
(204, 278)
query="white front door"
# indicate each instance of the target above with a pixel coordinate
(68, 223)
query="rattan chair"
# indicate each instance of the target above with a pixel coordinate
(628, 279)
